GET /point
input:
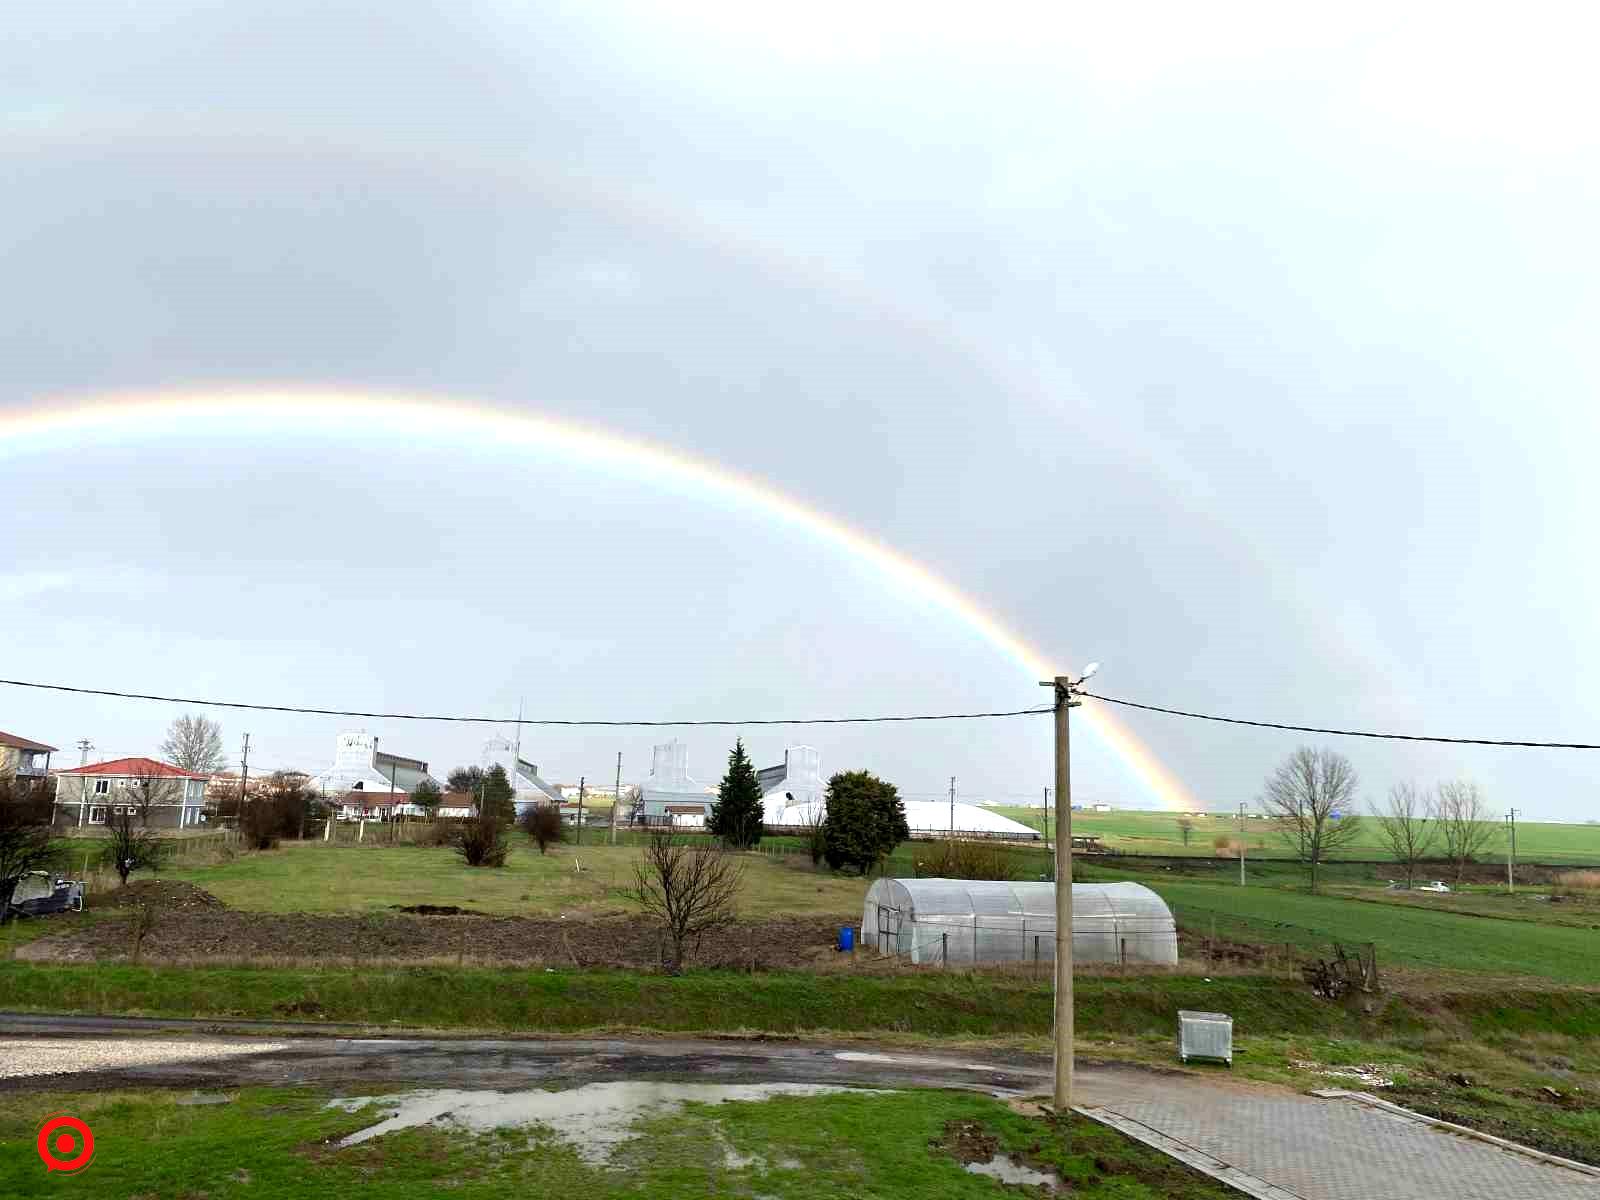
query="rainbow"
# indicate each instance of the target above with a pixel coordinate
(232, 411)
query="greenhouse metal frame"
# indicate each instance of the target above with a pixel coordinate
(997, 921)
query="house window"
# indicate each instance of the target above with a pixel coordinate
(97, 816)
(102, 787)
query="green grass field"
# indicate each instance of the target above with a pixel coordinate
(272, 1144)
(1158, 833)
(575, 880)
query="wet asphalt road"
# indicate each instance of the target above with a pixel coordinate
(497, 1064)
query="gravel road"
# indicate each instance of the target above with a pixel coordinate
(27, 1057)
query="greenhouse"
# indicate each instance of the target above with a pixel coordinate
(983, 921)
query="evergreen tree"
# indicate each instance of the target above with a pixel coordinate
(865, 821)
(496, 797)
(737, 816)
(426, 796)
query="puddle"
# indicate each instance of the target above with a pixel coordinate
(202, 1099)
(912, 1060)
(595, 1118)
(1007, 1170)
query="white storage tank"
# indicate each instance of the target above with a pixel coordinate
(983, 920)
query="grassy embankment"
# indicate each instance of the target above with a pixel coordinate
(268, 1144)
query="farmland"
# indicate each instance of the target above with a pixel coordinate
(1159, 833)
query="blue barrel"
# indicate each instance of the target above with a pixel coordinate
(847, 938)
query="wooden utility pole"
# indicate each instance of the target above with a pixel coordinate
(244, 775)
(1242, 840)
(616, 799)
(579, 840)
(1062, 1099)
(1511, 852)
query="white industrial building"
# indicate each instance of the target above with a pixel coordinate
(360, 770)
(669, 795)
(796, 780)
(926, 818)
(524, 776)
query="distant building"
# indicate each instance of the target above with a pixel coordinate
(524, 776)
(89, 795)
(24, 758)
(796, 780)
(670, 796)
(1099, 807)
(370, 783)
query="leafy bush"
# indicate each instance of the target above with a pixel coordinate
(865, 821)
(542, 824)
(481, 841)
(955, 859)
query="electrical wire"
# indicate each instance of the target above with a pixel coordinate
(1358, 733)
(397, 716)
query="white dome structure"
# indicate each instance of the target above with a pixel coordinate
(925, 817)
(982, 920)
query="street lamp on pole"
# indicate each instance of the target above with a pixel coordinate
(1065, 688)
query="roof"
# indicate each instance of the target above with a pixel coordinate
(134, 766)
(22, 743)
(923, 816)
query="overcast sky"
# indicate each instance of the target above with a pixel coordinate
(1250, 354)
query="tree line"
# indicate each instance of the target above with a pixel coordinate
(1312, 795)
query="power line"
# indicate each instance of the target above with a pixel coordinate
(1360, 733)
(396, 716)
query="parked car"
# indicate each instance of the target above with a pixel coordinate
(1438, 885)
(38, 895)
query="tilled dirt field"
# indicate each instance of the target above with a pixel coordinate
(188, 935)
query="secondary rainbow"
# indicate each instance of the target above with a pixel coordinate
(232, 411)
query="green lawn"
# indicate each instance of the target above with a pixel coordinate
(267, 1144)
(1406, 932)
(1158, 833)
(312, 877)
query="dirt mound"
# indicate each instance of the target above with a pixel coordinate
(164, 894)
(436, 910)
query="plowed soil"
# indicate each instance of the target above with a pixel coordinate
(201, 935)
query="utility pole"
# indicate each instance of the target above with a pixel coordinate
(1063, 687)
(1511, 852)
(244, 775)
(952, 806)
(616, 799)
(84, 746)
(1241, 843)
(581, 781)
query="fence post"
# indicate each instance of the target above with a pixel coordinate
(944, 950)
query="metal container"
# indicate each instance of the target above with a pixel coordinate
(1205, 1035)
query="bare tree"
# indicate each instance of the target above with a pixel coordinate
(130, 847)
(1185, 829)
(690, 889)
(24, 835)
(147, 791)
(195, 744)
(1407, 826)
(1313, 794)
(1464, 824)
